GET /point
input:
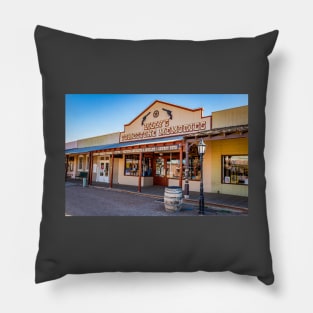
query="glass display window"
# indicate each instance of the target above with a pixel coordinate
(235, 169)
(131, 166)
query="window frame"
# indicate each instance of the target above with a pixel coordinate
(231, 181)
(80, 157)
(131, 157)
(147, 165)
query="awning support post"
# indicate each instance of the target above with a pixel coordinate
(181, 166)
(186, 192)
(90, 165)
(140, 172)
(111, 171)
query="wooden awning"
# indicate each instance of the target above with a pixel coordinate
(229, 132)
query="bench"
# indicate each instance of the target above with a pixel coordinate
(82, 175)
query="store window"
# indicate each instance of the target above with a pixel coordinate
(147, 166)
(173, 166)
(132, 165)
(235, 169)
(194, 169)
(80, 163)
(70, 164)
(160, 169)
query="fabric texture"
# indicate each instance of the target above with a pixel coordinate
(74, 64)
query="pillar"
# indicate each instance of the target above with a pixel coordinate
(66, 166)
(181, 166)
(186, 192)
(111, 171)
(90, 168)
(140, 172)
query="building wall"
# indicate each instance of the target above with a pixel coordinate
(226, 147)
(180, 116)
(116, 171)
(194, 185)
(94, 169)
(98, 140)
(146, 181)
(230, 117)
(71, 145)
(133, 181)
(173, 182)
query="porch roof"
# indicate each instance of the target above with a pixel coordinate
(221, 133)
(123, 145)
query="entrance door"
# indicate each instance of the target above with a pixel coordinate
(103, 171)
(160, 171)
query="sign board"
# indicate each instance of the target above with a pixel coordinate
(150, 149)
(163, 119)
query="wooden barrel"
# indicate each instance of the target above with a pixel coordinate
(173, 199)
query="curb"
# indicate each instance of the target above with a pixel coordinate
(211, 204)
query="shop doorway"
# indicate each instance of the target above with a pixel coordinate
(160, 171)
(103, 171)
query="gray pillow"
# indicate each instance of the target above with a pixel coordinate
(72, 64)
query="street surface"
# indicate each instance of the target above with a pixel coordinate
(97, 201)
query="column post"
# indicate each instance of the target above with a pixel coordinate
(66, 166)
(90, 169)
(181, 165)
(111, 171)
(140, 172)
(186, 192)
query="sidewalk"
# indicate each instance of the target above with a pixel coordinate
(239, 203)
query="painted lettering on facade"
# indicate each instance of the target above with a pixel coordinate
(148, 149)
(157, 124)
(162, 128)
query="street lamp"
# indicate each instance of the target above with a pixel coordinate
(201, 151)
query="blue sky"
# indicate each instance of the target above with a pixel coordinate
(89, 115)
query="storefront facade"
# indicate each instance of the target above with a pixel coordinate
(159, 147)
